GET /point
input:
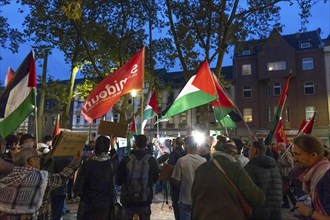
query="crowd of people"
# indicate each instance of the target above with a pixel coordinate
(221, 178)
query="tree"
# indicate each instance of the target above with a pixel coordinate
(207, 29)
(10, 38)
(97, 37)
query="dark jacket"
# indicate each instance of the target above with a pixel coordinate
(59, 164)
(175, 155)
(265, 174)
(94, 185)
(122, 174)
(213, 196)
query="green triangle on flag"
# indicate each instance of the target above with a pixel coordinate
(227, 122)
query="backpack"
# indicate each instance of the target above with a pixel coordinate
(136, 189)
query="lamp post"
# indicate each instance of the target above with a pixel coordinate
(133, 94)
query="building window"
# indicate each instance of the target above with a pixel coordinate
(246, 69)
(129, 101)
(307, 63)
(277, 89)
(78, 119)
(53, 120)
(247, 92)
(246, 52)
(309, 88)
(45, 121)
(275, 66)
(269, 114)
(247, 112)
(116, 117)
(183, 118)
(309, 112)
(304, 45)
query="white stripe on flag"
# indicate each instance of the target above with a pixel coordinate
(17, 95)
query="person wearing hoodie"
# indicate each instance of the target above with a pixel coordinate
(265, 174)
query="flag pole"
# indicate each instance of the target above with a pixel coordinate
(142, 109)
(246, 125)
(300, 133)
(36, 122)
(157, 127)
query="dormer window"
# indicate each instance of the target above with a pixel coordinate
(304, 45)
(246, 52)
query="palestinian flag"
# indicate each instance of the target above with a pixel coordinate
(228, 122)
(278, 113)
(151, 110)
(9, 76)
(223, 106)
(18, 100)
(198, 91)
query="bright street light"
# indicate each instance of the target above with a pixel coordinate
(133, 93)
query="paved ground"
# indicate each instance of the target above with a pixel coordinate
(160, 210)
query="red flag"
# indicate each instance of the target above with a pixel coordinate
(307, 129)
(9, 76)
(133, 126)
(107, 93)
(280, 134)
(57, 126)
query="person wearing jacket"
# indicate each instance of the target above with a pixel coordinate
(142, 208)
(265, 174)
(94, 184)
(213, 196)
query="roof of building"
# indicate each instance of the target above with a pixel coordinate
(294, 40)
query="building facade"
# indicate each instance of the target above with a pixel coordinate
(260, 70)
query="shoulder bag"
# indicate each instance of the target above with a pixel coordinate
(245, 205)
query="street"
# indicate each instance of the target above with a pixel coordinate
(160, 210)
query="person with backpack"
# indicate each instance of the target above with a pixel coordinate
(137, 173)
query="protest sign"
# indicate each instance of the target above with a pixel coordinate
(68, 143)
(113, 129)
